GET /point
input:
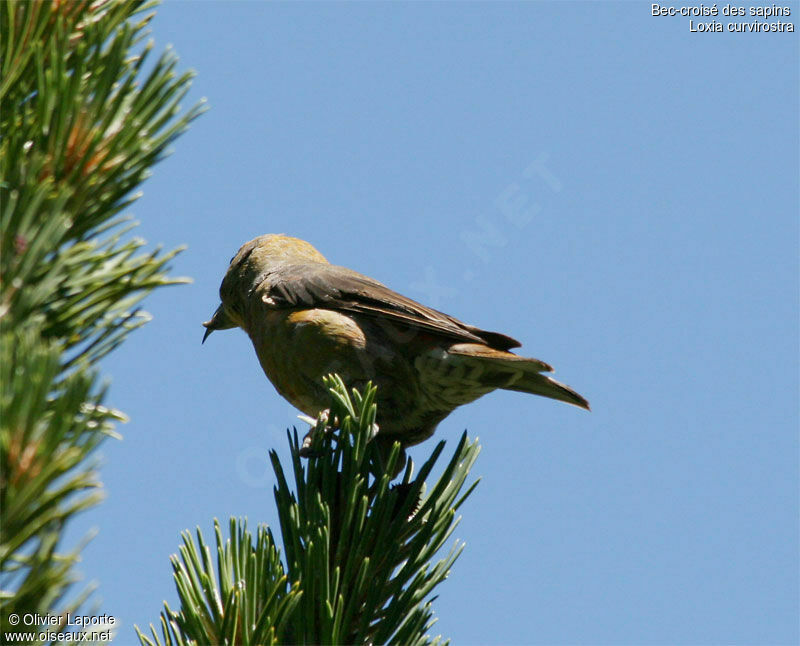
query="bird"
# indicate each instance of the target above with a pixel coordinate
(308, 318)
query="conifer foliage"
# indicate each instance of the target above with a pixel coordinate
(358, 562)
(82, 121)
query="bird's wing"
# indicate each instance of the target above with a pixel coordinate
(309, 285)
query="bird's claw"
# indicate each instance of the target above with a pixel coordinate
(373, 431)
(321, 424)
(308, 419)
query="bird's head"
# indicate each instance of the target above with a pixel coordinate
(248, 269)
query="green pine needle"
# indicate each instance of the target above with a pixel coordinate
(359, 552)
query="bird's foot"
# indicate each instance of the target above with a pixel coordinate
(324, 425)
(317, 425)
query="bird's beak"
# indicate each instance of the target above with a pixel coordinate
(219, 321)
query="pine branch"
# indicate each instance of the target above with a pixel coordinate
(80, 127)
(50, 428)
(358, 551)
(80, 131)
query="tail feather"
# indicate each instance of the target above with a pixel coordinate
(538, 384)
(511, 372)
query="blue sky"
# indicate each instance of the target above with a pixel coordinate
(616, 192)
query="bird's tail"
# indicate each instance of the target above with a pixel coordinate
(511, 372)
(539, 384)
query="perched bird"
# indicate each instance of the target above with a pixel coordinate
(308, 318)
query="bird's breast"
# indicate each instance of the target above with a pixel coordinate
(296, 348)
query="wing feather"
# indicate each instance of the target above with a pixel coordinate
(309, 285)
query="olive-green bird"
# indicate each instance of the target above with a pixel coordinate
(308, 318)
